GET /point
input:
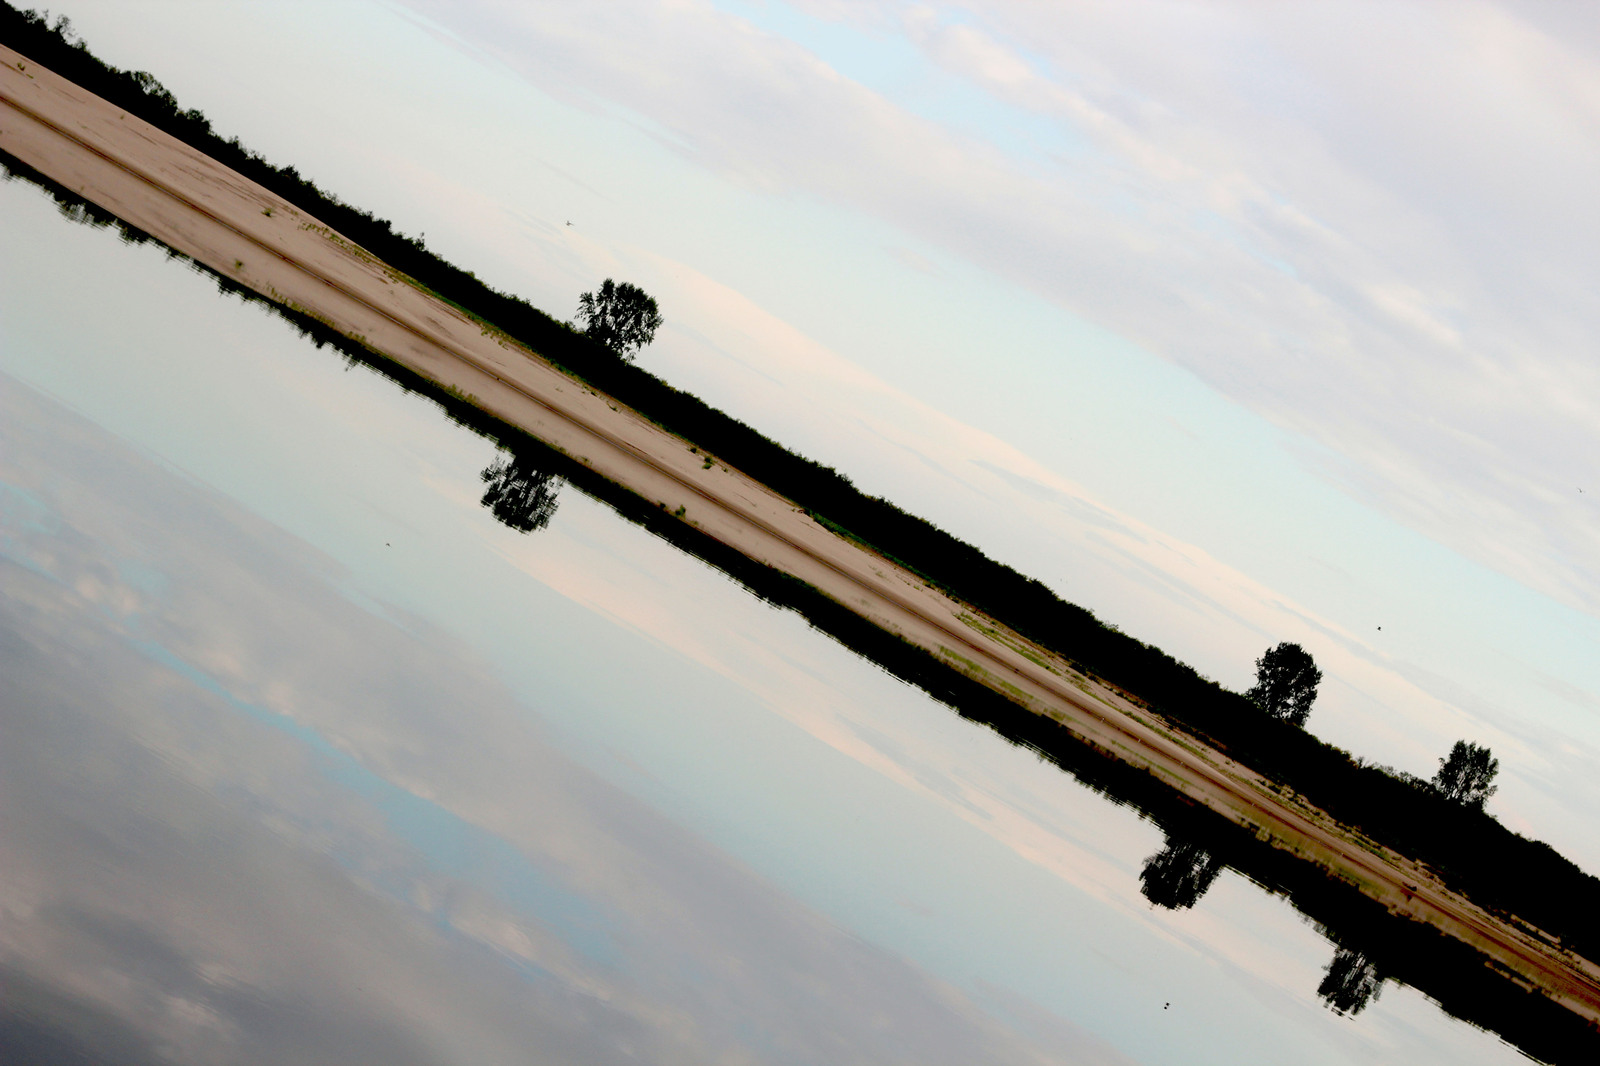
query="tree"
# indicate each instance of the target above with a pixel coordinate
(519, 494)
(622, 317)
(1466, 774)
(1286, 683)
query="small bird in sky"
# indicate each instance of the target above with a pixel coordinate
(1165, 1006)
(569, 223)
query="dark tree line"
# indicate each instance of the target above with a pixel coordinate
(1286, 687)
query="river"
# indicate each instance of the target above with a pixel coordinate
(307, 757)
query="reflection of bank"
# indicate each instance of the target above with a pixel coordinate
(1370, 946)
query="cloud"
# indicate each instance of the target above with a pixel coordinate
(1425, 158)
(1368, 224)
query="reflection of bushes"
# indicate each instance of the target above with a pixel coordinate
(1178, 875)
(1473, 852)
(1351, 982)
(519, 494)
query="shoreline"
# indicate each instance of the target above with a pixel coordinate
(201, 209)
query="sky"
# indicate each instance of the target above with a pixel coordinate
(1235, 323)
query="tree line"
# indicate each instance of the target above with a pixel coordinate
(1439, 825)
(1286, 685)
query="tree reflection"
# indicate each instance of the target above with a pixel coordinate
(519, 494)
(1178, 875)
(1352, 981)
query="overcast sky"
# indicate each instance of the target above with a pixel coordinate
(1234, 323)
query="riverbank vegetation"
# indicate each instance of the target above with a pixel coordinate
(1471, 851)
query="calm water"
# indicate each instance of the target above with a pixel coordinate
(304, 757)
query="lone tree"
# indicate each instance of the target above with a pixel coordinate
(1286, 683)
(1466, 775)
(622, 317)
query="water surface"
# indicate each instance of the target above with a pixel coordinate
(307, 757)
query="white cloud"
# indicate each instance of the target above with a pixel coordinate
(1371, 225)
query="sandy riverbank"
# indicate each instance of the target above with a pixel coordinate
(242, 231)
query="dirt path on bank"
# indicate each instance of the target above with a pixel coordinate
(245, 233)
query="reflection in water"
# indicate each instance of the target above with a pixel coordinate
(1352, 981)
(249, 820)
(1179, 874)
(520, 494)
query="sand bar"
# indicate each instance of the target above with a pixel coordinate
(242, 231)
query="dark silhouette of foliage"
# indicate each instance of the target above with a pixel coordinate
(1286, 683)
(1178, 875)
(1465, 776)
(1350, 983)
(621, 317)
(1471, 851)
(519, 494)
